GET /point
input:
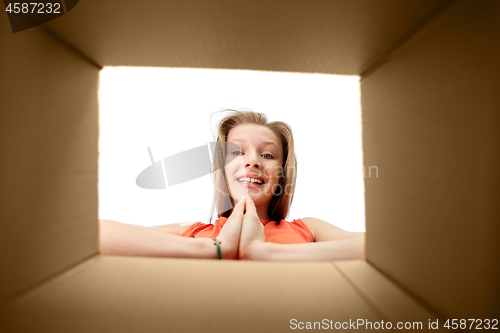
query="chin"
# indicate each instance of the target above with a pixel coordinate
(258, 197)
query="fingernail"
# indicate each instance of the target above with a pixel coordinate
(242, 198)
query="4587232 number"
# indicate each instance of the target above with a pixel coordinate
(34, 8)
(471, 324)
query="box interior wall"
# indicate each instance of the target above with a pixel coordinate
(429, 76)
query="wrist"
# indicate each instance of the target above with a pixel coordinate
(207, 249)
(262, 251)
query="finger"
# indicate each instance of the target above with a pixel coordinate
(232, 227)
(240, 206)
(250, 205)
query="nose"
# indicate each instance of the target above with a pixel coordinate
(251, 161)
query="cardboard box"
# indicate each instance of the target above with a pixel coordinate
(429, 83)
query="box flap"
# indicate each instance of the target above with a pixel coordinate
(48, 144)
(316, 36)
(431, 126)
(388, 298)
(127, 294)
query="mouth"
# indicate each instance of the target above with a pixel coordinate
(252, 181)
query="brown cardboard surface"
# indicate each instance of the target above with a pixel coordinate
(325, 36)
(390, 300)
(431, 124)
(48, 149)
(126, 294)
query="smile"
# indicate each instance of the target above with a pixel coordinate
(247, 180)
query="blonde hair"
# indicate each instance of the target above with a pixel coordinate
(280, 203)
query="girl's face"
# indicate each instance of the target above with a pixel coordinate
(256, 167)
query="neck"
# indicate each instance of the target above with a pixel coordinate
(262, 212)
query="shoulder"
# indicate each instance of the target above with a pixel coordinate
(325, 231)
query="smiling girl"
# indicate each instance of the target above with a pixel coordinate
(254, 187)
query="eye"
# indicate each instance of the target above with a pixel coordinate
(269, 156)
(237, 153)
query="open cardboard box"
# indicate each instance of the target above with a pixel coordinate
(430, 111)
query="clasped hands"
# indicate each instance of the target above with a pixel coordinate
(242, 236)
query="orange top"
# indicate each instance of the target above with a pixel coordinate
(283, 233)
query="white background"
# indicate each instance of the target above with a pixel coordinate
(168, 109)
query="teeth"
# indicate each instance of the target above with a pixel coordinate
(249, 180)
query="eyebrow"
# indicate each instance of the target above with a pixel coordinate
(266, 142)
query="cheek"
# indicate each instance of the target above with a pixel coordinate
(273, 173)
(231, 168)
